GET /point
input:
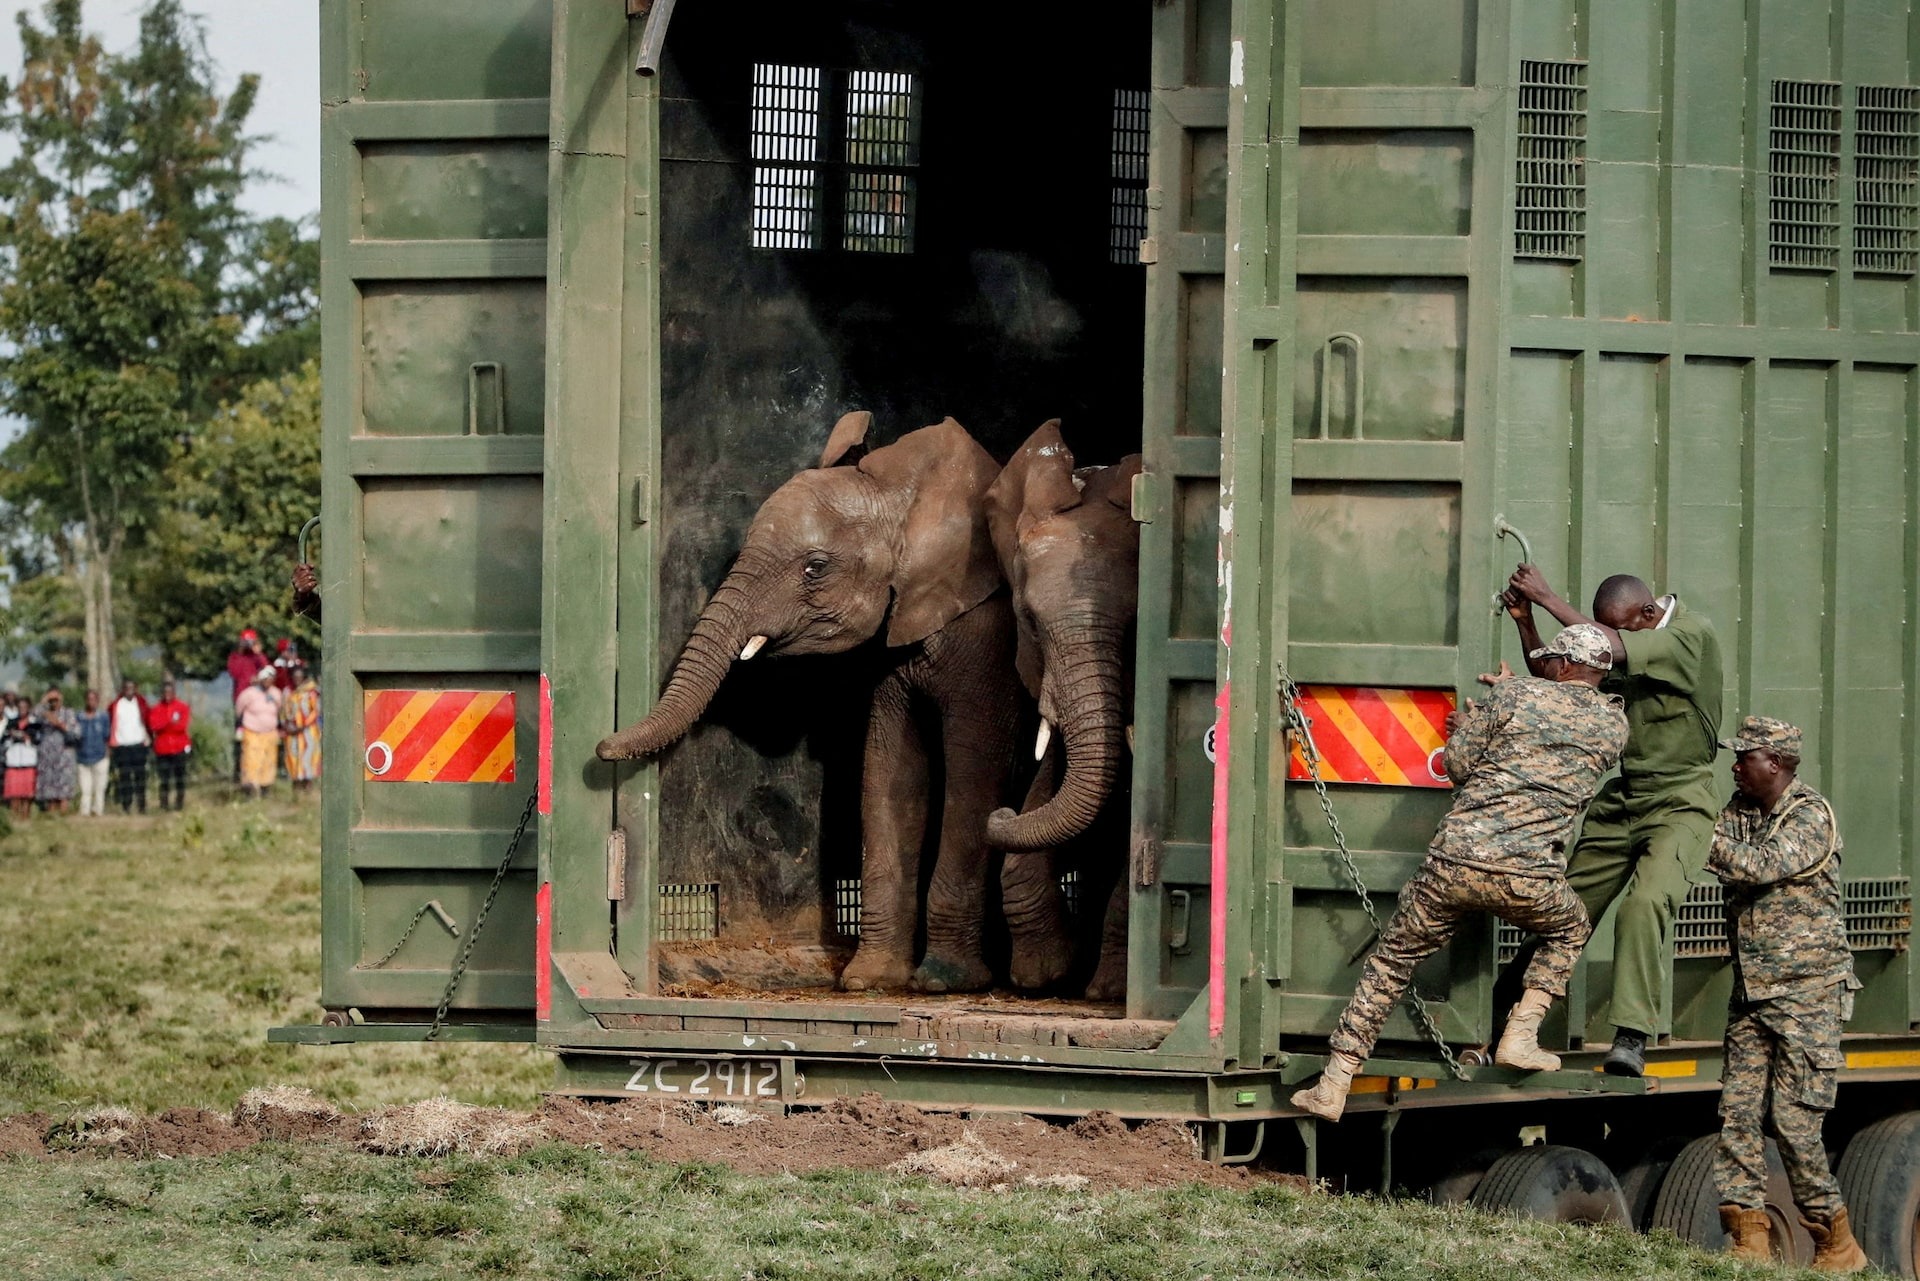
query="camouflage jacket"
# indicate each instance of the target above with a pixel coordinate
(1785, 921)
(1524, 763)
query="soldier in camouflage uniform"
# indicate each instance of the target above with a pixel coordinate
(1524, 762)
(1776, 848)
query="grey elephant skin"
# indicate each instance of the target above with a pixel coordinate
(894, 539)
(1070, 549)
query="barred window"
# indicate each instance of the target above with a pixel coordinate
(835, 159)
(1886, 179)
(1550, 179)
(1803, 175)
(1128, 225)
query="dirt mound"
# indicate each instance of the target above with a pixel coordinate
(995, 1150)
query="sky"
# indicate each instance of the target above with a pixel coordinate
(279, 39)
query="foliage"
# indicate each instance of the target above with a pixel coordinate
(136, 295)
(223, 551)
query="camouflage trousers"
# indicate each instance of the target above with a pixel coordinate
(1781, 1056)
(1431, 907)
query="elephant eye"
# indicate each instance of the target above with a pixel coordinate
(815, 567)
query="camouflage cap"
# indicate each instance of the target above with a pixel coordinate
(1582, 643)
(1758, 732)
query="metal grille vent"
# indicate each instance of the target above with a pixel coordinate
(846, 908)
(688, 911)
(1700, 926)
(1803, 169)
(882, 150)
(1879, 914)
(1070, 890)
(1886, 179)
(1550, 180)
(1128, 225)
(786, 155)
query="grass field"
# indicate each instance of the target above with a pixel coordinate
(143, 960)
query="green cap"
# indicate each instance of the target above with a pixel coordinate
(1757, 732)
(1582, 643)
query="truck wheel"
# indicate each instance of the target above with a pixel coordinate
(1556, 1184)
(1880, 1177)
(1688, 1204)
(1457, 1185)
(1642, 1174)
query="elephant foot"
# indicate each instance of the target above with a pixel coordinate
(873, 971)
(1109, 982)
(1039, 962)
(949, 974)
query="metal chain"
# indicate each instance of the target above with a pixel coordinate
(429, 906)
(1303, 728)
(480, 920)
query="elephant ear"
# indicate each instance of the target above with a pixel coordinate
(1036, 483)
(848, 442)
(945, 564)
(1114, 485)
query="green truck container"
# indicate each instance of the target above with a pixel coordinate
(1369, 284)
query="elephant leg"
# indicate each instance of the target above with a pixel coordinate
(968, 670)
(1109, 981)
(1031, 900)
(893, 819)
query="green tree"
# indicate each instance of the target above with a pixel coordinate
(239, 491)
(135, 294)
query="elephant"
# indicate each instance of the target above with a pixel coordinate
(891, 540)
(1070, 549)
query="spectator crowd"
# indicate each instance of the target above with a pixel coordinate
(54, 755)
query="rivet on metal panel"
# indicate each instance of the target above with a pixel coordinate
(495, 397)
(1358, 415)
(617, 865)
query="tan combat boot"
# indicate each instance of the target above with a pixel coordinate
(1749, 1235)
(1328, 1097)
(1835, 1249)
(1519, 1044)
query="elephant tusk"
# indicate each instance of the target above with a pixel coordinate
(753, 647)
(1041, 740)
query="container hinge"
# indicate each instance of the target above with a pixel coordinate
(1147, 497)
(642, 500)
(617, 865)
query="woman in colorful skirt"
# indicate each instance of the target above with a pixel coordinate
(59, 773)
(259, 710)
(300, 727)
(23, 762)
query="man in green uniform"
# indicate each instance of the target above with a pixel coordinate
(1646, 834)
(1776, 849)
(1523, 763)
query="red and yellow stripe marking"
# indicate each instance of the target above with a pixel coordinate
(1366, 734)
(439, 736)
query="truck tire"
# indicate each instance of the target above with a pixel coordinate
(1554, 1184)
(1641, 1175)
(1688, 1204)
(1880, 1177)
(1457, 1185)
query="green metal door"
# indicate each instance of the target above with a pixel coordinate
(433, 224)
(1361, 356)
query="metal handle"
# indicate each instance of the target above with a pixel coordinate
(1180, 939)
(653, 37)
(498, 398)
(1501, 529)
(306, 529)
(1359, 384)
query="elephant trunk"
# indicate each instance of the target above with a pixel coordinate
(717, 639)
(1087, 656)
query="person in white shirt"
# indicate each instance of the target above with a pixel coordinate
(23, 762)
(129, 740)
